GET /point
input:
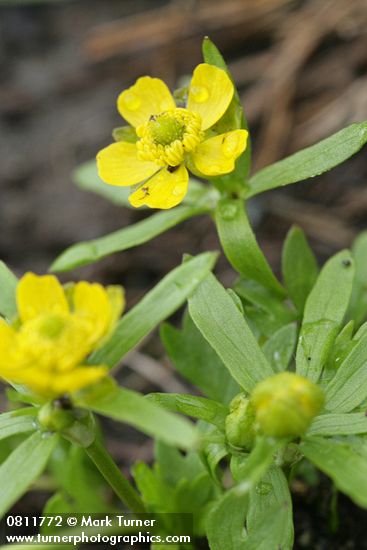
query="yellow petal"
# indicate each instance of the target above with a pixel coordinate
(9, 359)
(38, 295)
(164, 190)
(149, 96)
(91, 303)
(210, 93)
(51, 384)
(77, 379)
(218, 155)
(119, 164)
(116, 296)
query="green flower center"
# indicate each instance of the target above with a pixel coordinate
(165, 129)
(167, 137)
(51, 327)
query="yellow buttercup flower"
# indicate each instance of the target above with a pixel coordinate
(57, 329)
(170, 138)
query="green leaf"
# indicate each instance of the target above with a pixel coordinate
(233, 118)
(358, 303)
(280, 347)
(311, 161)
(23, 466)
(217, 317)
(16, 422)
(248, 470)
(348, 387)
(324, 312)
(225, 526)
(91, 251)
(131, 407)
(274, 528)
(270, 494)
(174, 465)
(214, 450)
(338, 424)
(167, 296)
(346, 467)
(192, 405)
(240, 246)
(191, 354)
(299, 267)
(8, 285)
(277, 312)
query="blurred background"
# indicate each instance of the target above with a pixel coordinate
(301, 69)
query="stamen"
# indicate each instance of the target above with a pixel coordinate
(168, 136)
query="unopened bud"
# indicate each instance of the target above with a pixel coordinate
(285, 404)
(240, 423)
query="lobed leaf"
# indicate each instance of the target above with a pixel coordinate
(220, 322)
(312, 161)
(324, 312)
(226, 520)
(167, 296)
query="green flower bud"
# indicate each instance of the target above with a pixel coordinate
(56, 416)
(240, 423)
(75, 425)
(285, 404)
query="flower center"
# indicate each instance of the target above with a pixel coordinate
(167, 137)
(51, 327)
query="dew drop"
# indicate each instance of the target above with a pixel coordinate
(131, 101)
(199, 93)
(165, 105)
(263, 488)
(177, 191)
(228, 211)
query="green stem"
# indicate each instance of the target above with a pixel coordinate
(122, 487)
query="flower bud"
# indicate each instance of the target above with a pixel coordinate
(285, 404)
(55, 416)
(240, 423)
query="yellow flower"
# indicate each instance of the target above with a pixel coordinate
(57, 329)
(170, 138)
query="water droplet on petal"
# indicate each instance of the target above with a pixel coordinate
(230, 145)
(131, 101)
(165, 105)
(228, 211)
(199, 93)
(177, 191)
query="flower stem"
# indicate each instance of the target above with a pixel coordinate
(122, 487)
